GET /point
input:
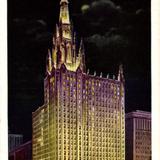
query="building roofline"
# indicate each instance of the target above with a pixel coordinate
(16, 135)
(20, 146)
(39, 109)
(138, 114)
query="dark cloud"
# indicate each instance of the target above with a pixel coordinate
(139, 11)
(119, 32)
(30, 31)
(101, 12)
(108, 39)
(100, 7)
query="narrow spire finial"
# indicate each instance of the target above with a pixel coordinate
(120, 74)
(87, 71)
(49, 61)
(64, 1)
(81, 55)
(81, 47)
(64, 12)
(74, 37)
(49, 53)
(57, 31)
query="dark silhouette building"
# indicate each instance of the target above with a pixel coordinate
(22, 152)
(138, 135)
(14, 140)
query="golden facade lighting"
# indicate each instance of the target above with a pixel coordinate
(83, 115)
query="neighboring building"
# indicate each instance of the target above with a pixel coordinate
(138, 135)
(14, 140)
(83, 115)
(22, 152)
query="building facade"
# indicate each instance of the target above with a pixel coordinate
(14, 140)
(22, 152)
(83, 115)
(138, 135)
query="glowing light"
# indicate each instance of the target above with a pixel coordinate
(82, 117)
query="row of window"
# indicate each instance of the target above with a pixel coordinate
(143, 124)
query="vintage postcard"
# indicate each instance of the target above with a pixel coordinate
(79, 80)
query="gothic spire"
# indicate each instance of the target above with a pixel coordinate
(64, 50)
(64, 21)
(49, 61)
(81, 55)
(81, 47)
(64, 12)
(120, 74)
(57, 31)
(64, 1)
(74, 46)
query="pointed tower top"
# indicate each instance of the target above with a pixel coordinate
(57, 31)
(81, 47)
(121, 67)
(81, 43)
(74, 37)
(49, 62)
(64, 12)
(49, 53)
(87, 71)
(65, 48)
(120, 74)
(64, 1)
(101, 74)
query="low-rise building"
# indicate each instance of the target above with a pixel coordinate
(138, 135)
(22, 152)
(14, 140)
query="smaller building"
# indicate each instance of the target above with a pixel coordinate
(14, 140)
(138, 135)
(22, 152)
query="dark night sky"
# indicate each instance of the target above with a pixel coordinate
(114, 32)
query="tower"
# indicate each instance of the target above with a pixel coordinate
(64, 42)
(83, 115)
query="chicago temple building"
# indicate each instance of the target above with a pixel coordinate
(83, 115)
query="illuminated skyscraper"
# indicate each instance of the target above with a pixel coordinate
(83, 115)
